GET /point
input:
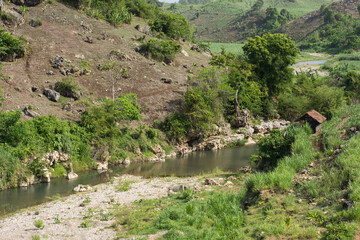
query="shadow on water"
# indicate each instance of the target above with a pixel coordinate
(191, 164)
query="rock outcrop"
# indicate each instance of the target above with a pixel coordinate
(71, 175)
(29, 3)
(55, 157)
(144, 29)
(82, 188)
(66, 92)
(45, 178)
(14, 16)
(29, 112)
(266, 127)
(242, 121)
(35, 23)
(52, 95)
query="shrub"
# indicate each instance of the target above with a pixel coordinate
(85, 64)
(11, 168)
(274, 147)
(176, 126)
(67, 88)
(10, 47)
(101, 120)
(160, 50)
(126, 107)
(85, 224)
(39, 224)
(172, 25)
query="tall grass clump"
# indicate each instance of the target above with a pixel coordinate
(220, 217)
(343, 118)
(348, 164)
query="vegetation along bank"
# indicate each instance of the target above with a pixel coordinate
(88, 84)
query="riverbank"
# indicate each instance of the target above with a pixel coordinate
(86, 215)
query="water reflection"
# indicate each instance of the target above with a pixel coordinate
(191, 164)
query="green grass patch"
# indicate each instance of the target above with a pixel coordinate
(304, 56)
(219, 215)
(124, 186)
(235, 48)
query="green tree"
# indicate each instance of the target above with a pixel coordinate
(257, 5)
(116, 72)
(271, 55)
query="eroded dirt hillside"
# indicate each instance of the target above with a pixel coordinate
(66, 32)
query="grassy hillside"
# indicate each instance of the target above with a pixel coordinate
(310, 25)
(224, 20)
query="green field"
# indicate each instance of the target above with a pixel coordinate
(344, 63)
(235, 48)
(304, 56)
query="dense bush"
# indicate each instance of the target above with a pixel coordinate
(160, 50)
(11, 47)
(102, 120)
(204, 106)
(122, 11)
(31, 139)
(176, 126)
(173, 25)
(41, 135)
(102, 131)
(11, 169)
(273, 20)
(274, 147)
(309, 92)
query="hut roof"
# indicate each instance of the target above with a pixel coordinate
(315, 115)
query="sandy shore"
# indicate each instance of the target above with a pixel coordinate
(96, 203)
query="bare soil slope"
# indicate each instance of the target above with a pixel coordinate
(62, 33)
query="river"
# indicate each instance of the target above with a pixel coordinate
(230, 159)
(316, 62)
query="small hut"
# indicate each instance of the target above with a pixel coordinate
(315, 119)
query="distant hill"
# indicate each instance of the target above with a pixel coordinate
(231, 20)
(301, 27)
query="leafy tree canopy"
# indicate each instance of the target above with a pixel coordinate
(271, 54)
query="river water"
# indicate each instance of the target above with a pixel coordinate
(316, 62)
(230, 159)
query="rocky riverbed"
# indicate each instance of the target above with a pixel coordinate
(83, 215)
